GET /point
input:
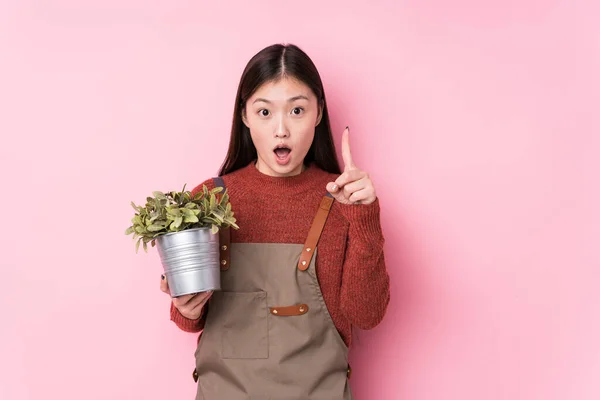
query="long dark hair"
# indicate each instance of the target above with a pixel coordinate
(270, 64)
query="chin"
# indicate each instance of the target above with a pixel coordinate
(285, 170)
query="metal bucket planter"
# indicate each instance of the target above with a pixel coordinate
(190, 259)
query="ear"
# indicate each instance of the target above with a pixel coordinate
(244, 119)
(320, 116)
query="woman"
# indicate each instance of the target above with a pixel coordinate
(281, 326)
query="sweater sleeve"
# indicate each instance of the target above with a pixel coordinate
(186, 324)
(183, 323)
(365, 292)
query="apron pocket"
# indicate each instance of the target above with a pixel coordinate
(245, 327)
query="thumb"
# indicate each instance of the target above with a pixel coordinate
(164, 285)
(335, 191)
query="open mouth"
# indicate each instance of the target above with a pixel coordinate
(282, 151)
(282, 154)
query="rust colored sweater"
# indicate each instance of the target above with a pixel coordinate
(350, 263)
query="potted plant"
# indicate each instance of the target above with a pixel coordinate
(184, 228)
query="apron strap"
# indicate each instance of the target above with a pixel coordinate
(224, 234)
(314, 234)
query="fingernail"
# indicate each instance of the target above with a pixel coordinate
(334, 187)
(162, 277)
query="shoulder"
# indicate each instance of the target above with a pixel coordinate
(227, 178)
(208, 183)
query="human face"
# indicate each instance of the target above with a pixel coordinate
(282, 116)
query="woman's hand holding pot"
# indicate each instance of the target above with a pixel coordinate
(189, 305)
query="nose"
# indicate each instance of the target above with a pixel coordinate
(281, 130)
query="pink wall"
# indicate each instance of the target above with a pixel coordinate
(478, 121)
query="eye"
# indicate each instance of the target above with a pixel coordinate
(263, 112)
(297, 110)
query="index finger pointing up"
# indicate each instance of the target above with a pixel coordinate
(346, 155)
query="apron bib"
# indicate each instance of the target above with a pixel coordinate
(268, 333)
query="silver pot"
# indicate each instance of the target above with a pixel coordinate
(190, 259)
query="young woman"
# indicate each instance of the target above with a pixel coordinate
(306, 265)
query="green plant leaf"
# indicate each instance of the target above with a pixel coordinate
(174, 211)
(129, 230)
(218, 214)
(136, 208)
(178, 222)
(155, 228)
(214, 229)
(186, 212)
(224, 199)
(191, 219)
(210, 220)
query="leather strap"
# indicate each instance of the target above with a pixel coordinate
(224, 243)
(289, 311)
(224, 234)
(314, 234)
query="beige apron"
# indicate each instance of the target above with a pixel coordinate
(268, 334)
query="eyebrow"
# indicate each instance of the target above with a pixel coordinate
(290, 100)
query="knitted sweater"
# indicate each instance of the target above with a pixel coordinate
(350, 262)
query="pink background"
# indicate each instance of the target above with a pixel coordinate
(479, 122)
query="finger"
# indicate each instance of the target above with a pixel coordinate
(202, 298)
(197, 303)
(332, 187)
(191, 300)
(346, 155)
(355, 186)
(337, 194)
(182, 301)
(164, 285)
(348, 177)
(203, 302)
(360, 196)
(345, 178)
